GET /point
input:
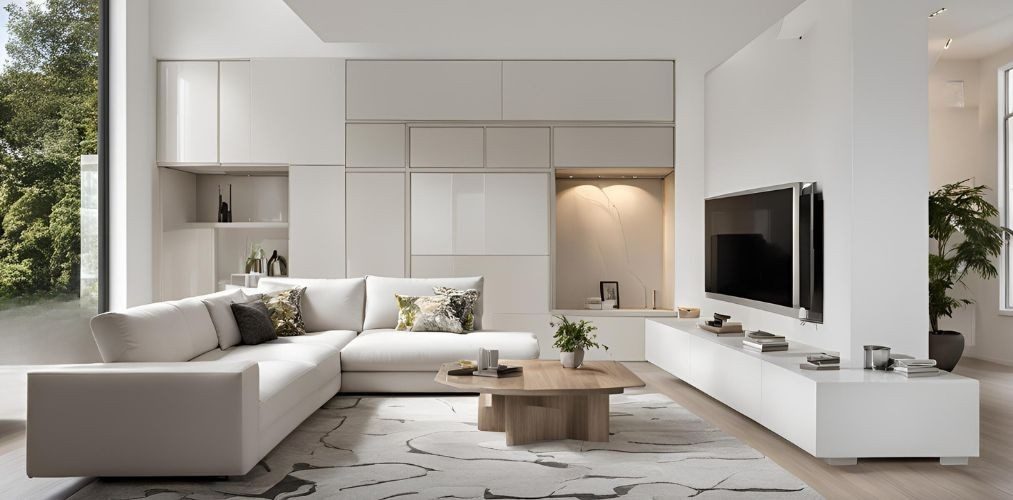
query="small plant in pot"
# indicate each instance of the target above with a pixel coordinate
(966, 242)
(572, 339)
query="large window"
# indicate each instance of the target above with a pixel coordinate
(51, 178)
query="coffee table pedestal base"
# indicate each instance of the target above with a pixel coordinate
(529, 419)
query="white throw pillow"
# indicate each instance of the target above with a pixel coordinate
(220, 308)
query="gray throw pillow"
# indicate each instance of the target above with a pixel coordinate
(254, 322)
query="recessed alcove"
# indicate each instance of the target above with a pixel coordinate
(614, 224)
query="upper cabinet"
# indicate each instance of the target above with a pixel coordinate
(297, 111)
(639, 146)
(517, 147)
(589, 90)
(265, 111)
(187, 112)
(424, 90)
(452, 147)
(234, 102)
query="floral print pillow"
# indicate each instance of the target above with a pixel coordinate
(285, 307)
(462, 302)
(426, 314)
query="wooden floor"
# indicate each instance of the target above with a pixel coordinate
(989, 476)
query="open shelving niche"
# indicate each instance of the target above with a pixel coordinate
(199, 254)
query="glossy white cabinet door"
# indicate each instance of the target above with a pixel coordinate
(446, 147)
(316, 231)
(298, 111)
(614, 146)
(424, 90)
(375, 145)
(375, 224)
(517, 147)
(480, 214)
(187, 112)
(234, 105)
(589, 90)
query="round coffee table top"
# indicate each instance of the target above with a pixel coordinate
(548, 378)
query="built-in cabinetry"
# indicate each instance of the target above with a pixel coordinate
(517, 147)
(446, 147)
(317, 227)
(375, 145)
(187, 112)
(375, 222)
(837, 415)
(614, 146)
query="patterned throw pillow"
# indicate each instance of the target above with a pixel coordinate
(462, 302)
(286, 311)
(426, 314)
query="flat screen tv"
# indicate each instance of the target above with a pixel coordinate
(764, 249)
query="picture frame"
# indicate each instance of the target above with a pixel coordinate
(609, 290)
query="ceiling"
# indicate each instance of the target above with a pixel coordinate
(697, 32)
(978, 27)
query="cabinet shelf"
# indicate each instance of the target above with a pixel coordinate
(234, 225)
(228, 168)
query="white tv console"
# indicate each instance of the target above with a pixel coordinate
(839, 415)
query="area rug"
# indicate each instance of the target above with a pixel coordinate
(430, 447)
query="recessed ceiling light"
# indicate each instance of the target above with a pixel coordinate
(946, 46)
(571, 177)
(936, 13)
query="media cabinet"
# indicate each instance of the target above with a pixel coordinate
(839, 415)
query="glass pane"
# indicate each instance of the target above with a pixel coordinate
(48, 179)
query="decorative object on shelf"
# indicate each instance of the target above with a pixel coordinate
(609, 294)
(689, 312)
(246, 280)
(255, 263)
(277, 265)
(877, 357)
(593, 303)
(962, 209)
(224, 208)
(722, 327)
(572, 339)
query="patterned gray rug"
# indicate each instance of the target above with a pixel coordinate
(430, 447)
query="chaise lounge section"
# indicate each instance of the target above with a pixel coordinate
(169, 401)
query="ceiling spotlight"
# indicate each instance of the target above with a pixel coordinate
(571, 177)
(946, 46)
(936, 13)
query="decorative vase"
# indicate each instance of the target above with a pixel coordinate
(946, 347)
(572, 359)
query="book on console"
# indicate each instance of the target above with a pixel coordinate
(729, 329)
(811, 366)
(765, 347)
(765, 336)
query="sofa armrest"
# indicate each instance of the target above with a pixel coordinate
(143, 419)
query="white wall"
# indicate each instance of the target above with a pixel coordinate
(964, 144)
(843, 106)
(609, 230)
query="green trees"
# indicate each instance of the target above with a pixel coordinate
(48, 119)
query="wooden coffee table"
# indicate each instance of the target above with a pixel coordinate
(547, 402)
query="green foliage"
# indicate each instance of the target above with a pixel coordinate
(572, 336)
(48, 120)
(960, 212)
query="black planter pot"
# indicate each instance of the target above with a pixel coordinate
(946, 347)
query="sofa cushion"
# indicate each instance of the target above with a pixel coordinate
(314, 354)
(178, 330)
(390, 350)
(337, 339)
(381, 306)
(328, 304)
(218, 305)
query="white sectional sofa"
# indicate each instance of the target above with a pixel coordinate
(168, 401)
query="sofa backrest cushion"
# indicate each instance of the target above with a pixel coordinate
(381, 306)
(328, 304)
(178, 330)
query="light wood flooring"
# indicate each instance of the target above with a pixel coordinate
(988, 476)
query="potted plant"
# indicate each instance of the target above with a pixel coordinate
(966, 241)
(572, 339)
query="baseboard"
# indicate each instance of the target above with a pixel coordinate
(1004, 362)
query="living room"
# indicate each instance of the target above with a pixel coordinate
(281, 248)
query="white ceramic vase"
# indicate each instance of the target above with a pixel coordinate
(572, 359)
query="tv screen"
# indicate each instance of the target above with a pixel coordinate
(750, 244)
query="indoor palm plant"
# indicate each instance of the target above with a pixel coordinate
(966, 241)
(572, 339)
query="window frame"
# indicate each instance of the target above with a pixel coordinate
(103, 158)
(1004, 114)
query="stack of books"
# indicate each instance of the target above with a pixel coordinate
(915, 367)
(764, 342)
(821, 361)
(728, 329)
(499, 371)
(593, 303)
